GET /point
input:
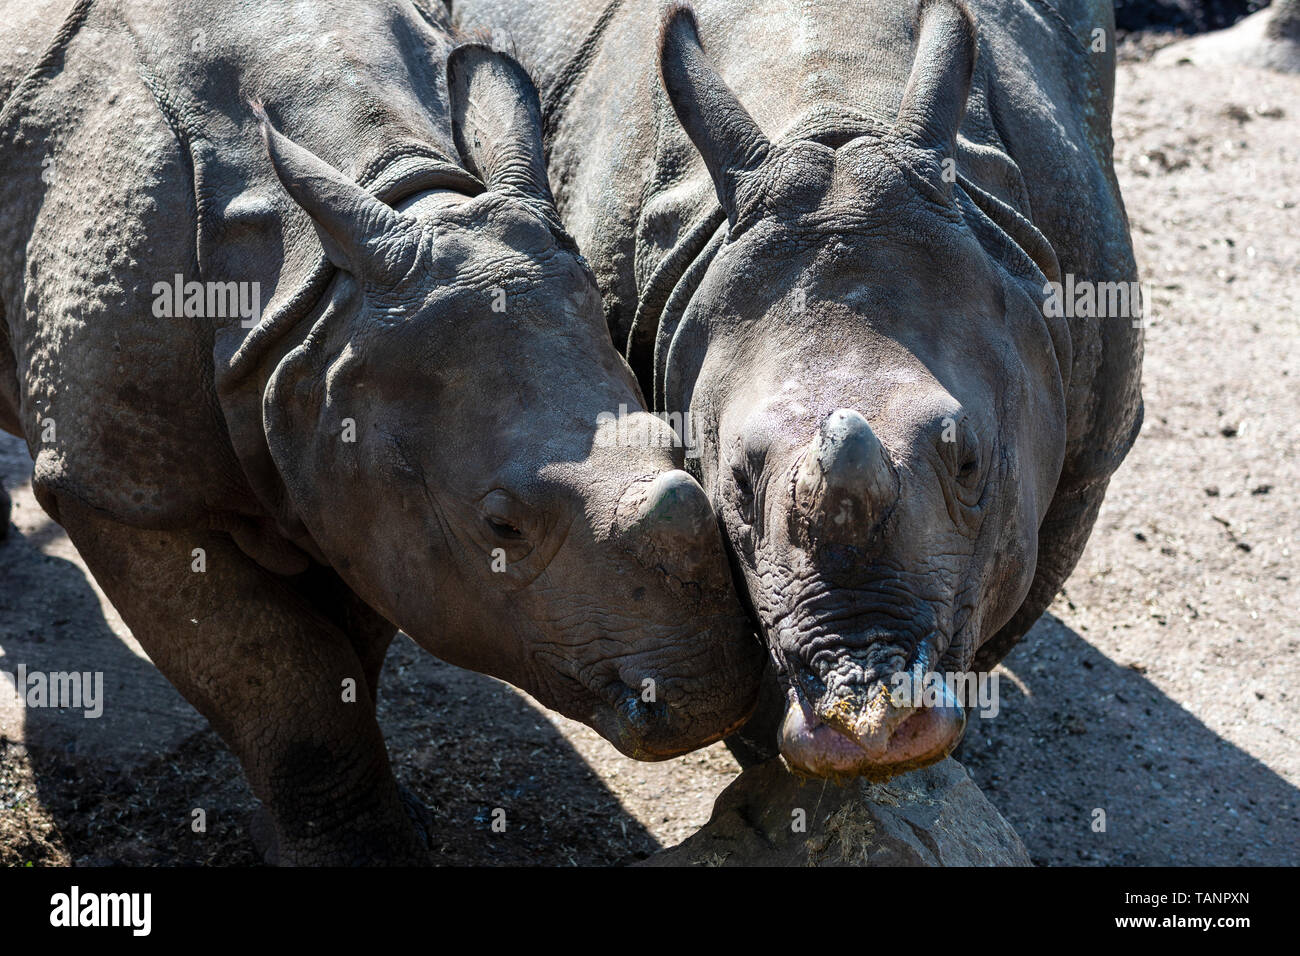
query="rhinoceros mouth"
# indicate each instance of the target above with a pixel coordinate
(812, 747)
(633, 741)
(842, 718)
(651, 730)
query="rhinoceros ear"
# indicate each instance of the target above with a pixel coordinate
(934, 100)
(726, 136)
(360, 234)
(496, 120)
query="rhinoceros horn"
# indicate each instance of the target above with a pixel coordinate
(496, 120)
(934, 100)
(359, 233)
(675, 519)
(844, 484)
(726, 136)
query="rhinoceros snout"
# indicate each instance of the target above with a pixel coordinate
(844, 484)
(882, 740)
(658, 729)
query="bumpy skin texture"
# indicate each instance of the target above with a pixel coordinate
(382, 447)
(907, 451)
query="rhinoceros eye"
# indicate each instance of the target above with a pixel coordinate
(504, 529)
(959, 447)
(505, 516)
(744, 491)
(968, 478)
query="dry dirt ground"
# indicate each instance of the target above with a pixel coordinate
(1161, 689)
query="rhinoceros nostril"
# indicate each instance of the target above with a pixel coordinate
(635, 711)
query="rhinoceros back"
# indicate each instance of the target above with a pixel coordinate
(129, 157)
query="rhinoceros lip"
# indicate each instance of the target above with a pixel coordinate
(619, 719)
(839, 757)
(818, 739)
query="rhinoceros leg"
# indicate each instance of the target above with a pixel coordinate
(369, 634)
(268, 667)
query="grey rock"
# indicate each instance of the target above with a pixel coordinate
(1268, 39)
(935, 816)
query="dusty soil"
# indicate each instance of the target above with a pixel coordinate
(1161, 688)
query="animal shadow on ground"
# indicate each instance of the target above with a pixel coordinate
(502, 784)
(1078, 733)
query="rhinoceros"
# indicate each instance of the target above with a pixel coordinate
(855, 242)
(420, 427)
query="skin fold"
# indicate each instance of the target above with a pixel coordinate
(827, 233)
(420, 426)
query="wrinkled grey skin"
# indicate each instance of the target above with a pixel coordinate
(907, 451)
(384, 447)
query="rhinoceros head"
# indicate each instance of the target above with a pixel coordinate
(449, 435)
(887, 401)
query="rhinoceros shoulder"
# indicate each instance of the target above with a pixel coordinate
(1050, 84)
(106, 389)
(135, 169)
